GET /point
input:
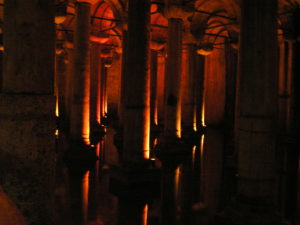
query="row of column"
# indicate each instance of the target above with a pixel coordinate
(82, 94)
(257, 99)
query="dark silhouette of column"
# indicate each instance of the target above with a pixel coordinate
(257, 112)
(172, 108)
(81, 74)
(189, 102)
(95, 84)
(137, 84)
(27, 108)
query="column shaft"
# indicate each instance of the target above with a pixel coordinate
(153, 90)
(122, 88)
(103, 91)
(172, 109)
(257, 101)
(27, 104)
(137, 83)
(95, 87)
(81, 74)
(189, 101)
(199, 91)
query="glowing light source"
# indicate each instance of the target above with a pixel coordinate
(56, 132)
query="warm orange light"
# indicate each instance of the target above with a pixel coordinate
(85, 196)
(194, 154)
(145, 215)
(178, 123)
(147, 134)
(177, 176)
(203, 115)
(56, 132)
(86, 114)
(202, 145)
(195, 119)
(56, 107)
(98, 100)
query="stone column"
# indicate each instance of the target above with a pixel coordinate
(95, 88)
(153, 90)
(103, 90)
(257, 110)
(61, 76)
(124, 62)
(137, 84)
(172, 108)
(27, 108)
(189, 102)
(81, 74)
(69, 82)
(199, 92)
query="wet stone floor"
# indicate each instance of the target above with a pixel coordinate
(190, 190)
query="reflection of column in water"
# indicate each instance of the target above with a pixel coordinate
(212, 169)
(85, 197)
(145, 215)
(187, 189)
(132, 211)
(168, 193)
(93, 189)
(201, 160)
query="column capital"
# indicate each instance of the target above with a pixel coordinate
(177, 9)
(107, 56)
(157, 44)
(87, 1)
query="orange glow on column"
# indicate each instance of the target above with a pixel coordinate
(203, 114)
(176, 179)
(195, 119)
(202, 146)
(85, 196)
(194, 154)
(147, 122)
(145, 215)
(86, 124)
(56, 107)
(98, 101)
(178, 122)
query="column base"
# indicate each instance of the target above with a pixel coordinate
(97, 133)
(27, 155)
(238, 213)
(134, 180)
(168, 147)
(80, 153)
(190, 136)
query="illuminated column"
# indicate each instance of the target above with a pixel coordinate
(95, 88)
(199, 92)
(69, 81)
(61, 75)
(189, 100)
(124, 58)
(257, 110)
(81, 74)
(27, 109)
(172, 108)
(137, 84)
(153, 89)
(106, 62)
